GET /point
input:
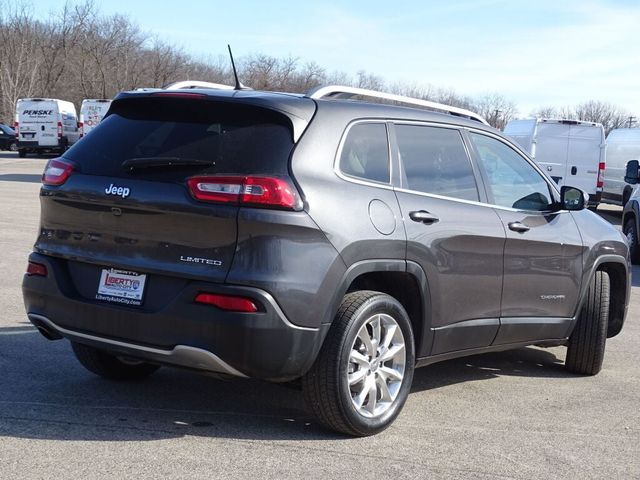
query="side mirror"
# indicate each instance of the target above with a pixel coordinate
(632, 173)
(572, 198)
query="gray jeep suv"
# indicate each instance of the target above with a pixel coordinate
(315, 238)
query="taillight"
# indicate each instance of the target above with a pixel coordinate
(16, 128)
(56, 172)
(227, 302)
(81, 129)
(600, 183)
(37, 269)
(59, 129)
(250, 191)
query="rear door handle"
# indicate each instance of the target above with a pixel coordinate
(518, 227)
(423, 216)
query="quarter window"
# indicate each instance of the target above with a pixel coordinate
(365, 153)
(511, 180)
(434, 160)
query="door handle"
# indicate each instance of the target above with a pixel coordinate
(518, 227)
(574, 170)
(423, 216)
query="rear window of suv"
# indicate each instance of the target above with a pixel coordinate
(230, 139)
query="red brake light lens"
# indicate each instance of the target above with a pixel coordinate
(601, 168)
(250, 191)
(227, 302)
(56, 172)
(37, 269)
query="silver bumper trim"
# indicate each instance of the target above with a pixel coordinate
(180, 355)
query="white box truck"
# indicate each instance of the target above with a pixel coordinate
(623, 144)
(92, 111)
(45, 125)
(570, 151)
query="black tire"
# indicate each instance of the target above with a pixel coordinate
(110, 366)
(22, 153)
(587, 342)
(325, 386)
(631, 231)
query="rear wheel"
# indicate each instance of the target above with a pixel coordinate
(111, 366)
(631, 231)
(22, 153)
(587, 342)
(362, 376)
(13, 147)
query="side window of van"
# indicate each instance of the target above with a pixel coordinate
(512, 181)
(365, 153)
(435, 161)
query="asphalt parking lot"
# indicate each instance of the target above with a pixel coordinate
(506, 415)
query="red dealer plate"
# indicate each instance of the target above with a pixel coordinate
(121, 286)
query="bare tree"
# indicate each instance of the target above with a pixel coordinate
(496, 109)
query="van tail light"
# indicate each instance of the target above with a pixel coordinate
(36, 269)
(81, 129)
(600, 182)
(56, 172)
(16, 127)
(227, 302)
(59, 129)
(269, 192)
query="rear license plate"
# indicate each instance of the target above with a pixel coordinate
(28, 135)
(121, 286)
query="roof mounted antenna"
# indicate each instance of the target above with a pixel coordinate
(238, 85)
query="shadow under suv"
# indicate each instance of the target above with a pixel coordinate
(340, 242)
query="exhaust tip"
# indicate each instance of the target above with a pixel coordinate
(46, 331)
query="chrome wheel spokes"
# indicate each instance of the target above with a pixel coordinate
(377, 363)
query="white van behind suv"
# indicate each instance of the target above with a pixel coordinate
(623, 144)
(92, 111)
(45, 125)
(571, 152)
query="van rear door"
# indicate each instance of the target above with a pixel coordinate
(552, 149)
(38, 122)
(585, 152)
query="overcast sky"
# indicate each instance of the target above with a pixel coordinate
(542, 53)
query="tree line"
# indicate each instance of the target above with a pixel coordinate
(78, 53)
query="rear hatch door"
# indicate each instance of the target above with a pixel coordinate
(127, 204)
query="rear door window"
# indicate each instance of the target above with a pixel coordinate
(223, 138)
(435, 161)
(365, 153)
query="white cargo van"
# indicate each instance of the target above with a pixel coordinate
(623, 144)
(92, 112)
(45, 125)
(570, 151)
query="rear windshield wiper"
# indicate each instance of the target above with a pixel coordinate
(132, 164)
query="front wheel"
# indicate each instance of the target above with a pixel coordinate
(362, 376)
(587, 341)
(111, 366)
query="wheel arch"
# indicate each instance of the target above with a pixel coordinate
(405, 281)
(620, 286)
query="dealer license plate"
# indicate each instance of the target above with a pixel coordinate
(121, 286)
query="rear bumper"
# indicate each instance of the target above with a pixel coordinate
(37, 147)
(182, 333)
(594, 200)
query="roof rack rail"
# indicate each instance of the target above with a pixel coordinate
(187, 84)
(339, 91)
